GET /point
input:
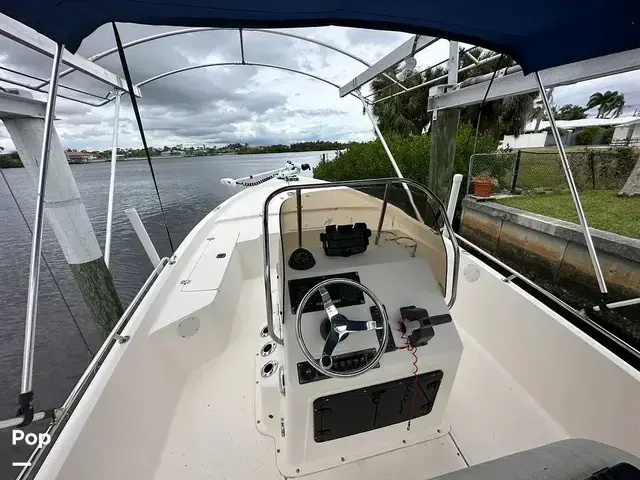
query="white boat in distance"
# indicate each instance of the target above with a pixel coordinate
(336, 330)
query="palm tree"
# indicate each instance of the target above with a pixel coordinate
(407, 114)
(608, 103)
(404, 114)
(616, 105)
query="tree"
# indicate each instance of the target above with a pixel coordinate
(407, 115)
(610, 104)
(404, 114)
(571, 112)
(589, 134)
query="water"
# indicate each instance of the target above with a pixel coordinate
(189, 188)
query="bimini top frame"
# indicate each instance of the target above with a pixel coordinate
(81, 64)
(387, 182)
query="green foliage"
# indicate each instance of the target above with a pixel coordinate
(607, 135)
(610, 104)
(593, 169)
(589, 134)
(603, 208)
(571, 112)
(369, 160)
(10, 160)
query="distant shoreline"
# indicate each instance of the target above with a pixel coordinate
(15, 163)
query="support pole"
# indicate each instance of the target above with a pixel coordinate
(453, 196)
(143, 236)
(68, 218)
(444, 132)
(112, 179)
(299, 216)
(572, 187)
(26, 388)
(389, 154)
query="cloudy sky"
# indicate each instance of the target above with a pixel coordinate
(223, 105)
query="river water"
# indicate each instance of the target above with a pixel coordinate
(189, 188)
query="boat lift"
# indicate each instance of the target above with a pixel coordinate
(453, 96)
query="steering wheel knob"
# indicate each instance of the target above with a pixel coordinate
(326, 361)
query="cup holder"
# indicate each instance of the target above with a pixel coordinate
(267, 349)
(264, 332)
(269, 369)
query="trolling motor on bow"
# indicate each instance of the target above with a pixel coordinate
(289, 173)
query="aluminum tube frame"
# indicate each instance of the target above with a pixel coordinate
(518, 84)
(453, 196)
(33, 89)
(439, 79)
(14, 422)
(21, 34)
(184, 31)
(232, 64)
(143, 236)
(299, 216)
(350, 184)
(410, 47)
(454, 63)
(463, 51)
(388, 152)
(36, 245)
(573, 188)
(40, 79)
(241, 46)
(383, 212)
(112, 178)
(95, 364)
(620, 304)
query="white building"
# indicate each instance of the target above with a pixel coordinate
(172, 153)
(627, 132)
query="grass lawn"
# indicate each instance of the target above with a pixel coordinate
(603, 209)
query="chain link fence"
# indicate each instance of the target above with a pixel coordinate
(529, 172)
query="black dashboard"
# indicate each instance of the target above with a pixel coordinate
(342, 295)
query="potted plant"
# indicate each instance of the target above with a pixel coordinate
(483, 186)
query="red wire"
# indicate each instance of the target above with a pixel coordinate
(411, 349)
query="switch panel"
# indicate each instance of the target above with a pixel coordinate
(341, 363)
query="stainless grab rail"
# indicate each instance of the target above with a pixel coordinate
(550, 296)
(100, 355)
(351, 183)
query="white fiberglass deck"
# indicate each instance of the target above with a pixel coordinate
(182, 398)
(214, 422)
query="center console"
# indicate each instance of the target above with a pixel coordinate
(322, 417)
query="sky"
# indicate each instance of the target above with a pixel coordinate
(246, 104)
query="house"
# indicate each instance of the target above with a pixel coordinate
(77, 157)
(627, 132)
(172, 153)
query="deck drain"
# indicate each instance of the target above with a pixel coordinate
(269, 369)
(267, 349)
(264, 332)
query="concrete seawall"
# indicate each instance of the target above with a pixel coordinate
(555, 250)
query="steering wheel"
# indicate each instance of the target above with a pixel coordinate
(339, 327)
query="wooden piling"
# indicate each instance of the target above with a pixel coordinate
(69, 220)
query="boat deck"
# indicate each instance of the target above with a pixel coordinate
(213, 432)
